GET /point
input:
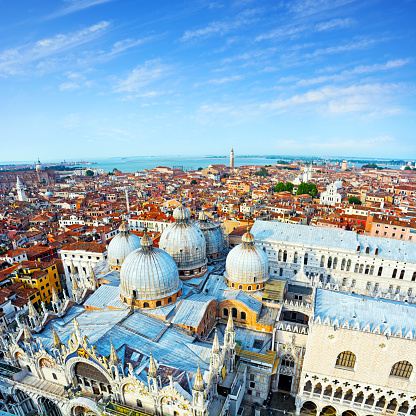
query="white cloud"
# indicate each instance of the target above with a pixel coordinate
(221, 28)
(334, 24)
(75, 6)
(360, 44)
(142, 76)
(14, 61)
(291, 31)
(69, 86)
(220, 81)
(358, 70)
(366, 98)
(283, 32)
(310, 7)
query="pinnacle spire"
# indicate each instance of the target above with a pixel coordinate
(199, 381)
(32, 311)
(56, 340)
(230, 324)
(216, 344)
(152, 367)
(72, 268)
(55, 297)
(27, 334)
(74, 284)
(114, 360)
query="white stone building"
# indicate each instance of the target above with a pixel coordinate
(333, 194)
(339, 259)
(360, 358)
(82, 257)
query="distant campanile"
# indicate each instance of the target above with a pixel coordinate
(232, 158)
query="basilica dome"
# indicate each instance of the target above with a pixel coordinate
(185, 242)
(213, 235)
(121, 246)
(149, 277)
(39, 167)
(247, 266)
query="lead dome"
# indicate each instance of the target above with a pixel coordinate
(39, 167)
(247, 266)
(149, 277)
(213, 236)
(121, 246)
(185, 242)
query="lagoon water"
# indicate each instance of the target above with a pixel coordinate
(133, 164)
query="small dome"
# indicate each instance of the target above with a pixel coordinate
(213, 235)
(149, 273)
(247, 237)
(181, 213)
(48, 194)
(203, 216)
(121, 246)
(39, 167)
(247, 263)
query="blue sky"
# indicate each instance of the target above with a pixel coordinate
(98, 78)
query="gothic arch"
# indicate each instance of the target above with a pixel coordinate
(309, 408)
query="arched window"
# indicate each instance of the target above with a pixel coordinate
(89, 372)
(343, 264)
(285, 255)
(305, 259)
(358, 248)
(234, 312)
(376, 251)
(232, 285)
(380, 271)
(279, 256)
(348, 265)
(159, 303)
(240, 287)
(225, 312)
(372, 270)
(414, 277)
(287, 361)
(367, 269)
(243, 316)
(295, 257)
(356, 267)
(402, 369)
(394, 273)
(329, 264)
(257, 287)
(334, 266)
(248, 287)
(367, 250)
(361, 268)
(401, 274)
(145, 305)
(322, 261)
(346, 359)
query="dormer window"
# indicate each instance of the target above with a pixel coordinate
(376, 252)
(367, 250)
